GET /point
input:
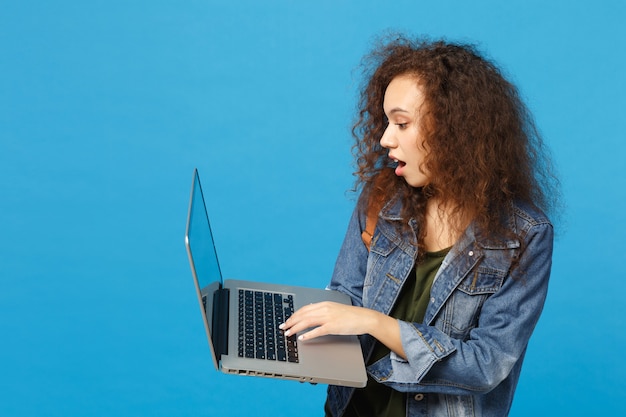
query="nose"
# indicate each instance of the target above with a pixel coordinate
(387, 140)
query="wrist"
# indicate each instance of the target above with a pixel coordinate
(386, 330)
(379, 324)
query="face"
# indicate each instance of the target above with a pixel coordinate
(403, 106)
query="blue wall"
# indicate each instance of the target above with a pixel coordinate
(107, 106)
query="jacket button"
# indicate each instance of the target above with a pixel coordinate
(471, 253)
(419, 397)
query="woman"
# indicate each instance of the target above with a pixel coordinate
(455, 277)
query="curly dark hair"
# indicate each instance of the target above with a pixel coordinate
(484, 148)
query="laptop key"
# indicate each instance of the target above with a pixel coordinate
(260, 314)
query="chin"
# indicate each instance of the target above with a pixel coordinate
(416, 183)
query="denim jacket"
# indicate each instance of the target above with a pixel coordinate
(466, 356)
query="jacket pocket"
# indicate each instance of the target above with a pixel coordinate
(381, 247)
(461, 311)
(458, 405)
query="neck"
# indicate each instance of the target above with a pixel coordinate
(442, 225)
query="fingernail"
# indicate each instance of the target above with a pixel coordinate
(288, 333)
(301, 337)
(281, 326)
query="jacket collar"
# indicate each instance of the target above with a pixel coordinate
(392, 209)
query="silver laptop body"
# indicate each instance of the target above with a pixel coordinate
(335, 360)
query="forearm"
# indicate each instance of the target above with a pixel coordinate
(386, 330)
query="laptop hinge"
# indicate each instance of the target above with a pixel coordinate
(220, 322)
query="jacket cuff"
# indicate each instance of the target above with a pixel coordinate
(423, 345)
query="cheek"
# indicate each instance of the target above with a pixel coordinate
(421, 153)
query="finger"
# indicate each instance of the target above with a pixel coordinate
(314, 333)
(300, 315)
(303, 323)
(292, 321)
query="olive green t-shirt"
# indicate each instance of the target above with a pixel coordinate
(378, 399)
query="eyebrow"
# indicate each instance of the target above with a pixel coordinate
(397, 110)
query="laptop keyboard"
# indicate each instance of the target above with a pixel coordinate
(260, 314)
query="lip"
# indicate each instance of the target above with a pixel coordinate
(396, 160)
(399, 165)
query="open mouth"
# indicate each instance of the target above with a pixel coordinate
(399, 166)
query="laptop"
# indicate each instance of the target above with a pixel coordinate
(241, 318)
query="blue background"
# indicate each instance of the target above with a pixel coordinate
(107, 106)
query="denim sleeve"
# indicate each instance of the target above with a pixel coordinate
(351, 265)
(439, 363)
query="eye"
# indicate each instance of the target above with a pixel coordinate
(402, 126)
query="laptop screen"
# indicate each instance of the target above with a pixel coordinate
(203, 259)
(200, 239)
